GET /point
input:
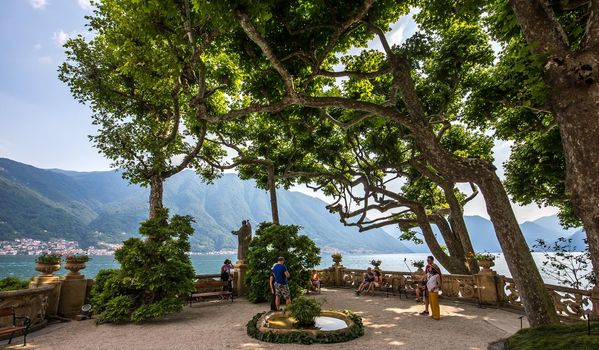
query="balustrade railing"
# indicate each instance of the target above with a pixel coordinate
(485, 288)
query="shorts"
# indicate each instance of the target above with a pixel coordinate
(282, 291)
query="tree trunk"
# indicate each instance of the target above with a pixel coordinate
(573, 97)
(454, 246)
(457, 224)
(535, 299)
(453, 265)
(156, 191)
(272, 189)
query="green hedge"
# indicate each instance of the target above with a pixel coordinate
(355, 331)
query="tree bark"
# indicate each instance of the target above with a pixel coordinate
(156, 191)
(272, 190)
(574, 102)
(454, 246)
(452, 264)
(535, 299)
(572, 79)
(458, 226)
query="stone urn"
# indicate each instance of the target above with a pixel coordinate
(47, 269)
(74, 267)
(486, 265)
(336, 259)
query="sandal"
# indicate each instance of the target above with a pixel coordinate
(424, 313)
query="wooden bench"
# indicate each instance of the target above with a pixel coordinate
(207, 288)
(391, 285)
(24, 329)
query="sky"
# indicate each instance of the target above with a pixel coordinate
(41, 124)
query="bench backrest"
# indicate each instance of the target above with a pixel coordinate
(209, 286)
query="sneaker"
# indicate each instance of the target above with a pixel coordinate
(424, 313)
(418, 300)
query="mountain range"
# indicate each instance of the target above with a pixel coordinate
(92, 207)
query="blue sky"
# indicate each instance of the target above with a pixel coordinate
(42, 125)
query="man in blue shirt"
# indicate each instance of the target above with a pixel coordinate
(281, 288)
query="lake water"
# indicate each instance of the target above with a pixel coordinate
(22, 266)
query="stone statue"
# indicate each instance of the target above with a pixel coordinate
(244, 236)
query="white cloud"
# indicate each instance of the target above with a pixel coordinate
(37, 46)
(45, 60)
(85, 4)
(38, 4)
(61, 37)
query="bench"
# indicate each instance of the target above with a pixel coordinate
(391, 285)
(24, 328)
(208, 288)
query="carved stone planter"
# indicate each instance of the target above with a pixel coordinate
(74, 268)
(486, 265)
(336, 259)
(47, 269)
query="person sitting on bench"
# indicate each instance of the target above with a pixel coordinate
(315, 280)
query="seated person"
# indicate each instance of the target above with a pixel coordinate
(368, 277)
(315, 280)
(377, 281)
(420, 289)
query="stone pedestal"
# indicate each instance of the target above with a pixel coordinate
(53, 296)
(72, 295)
(240, 271)
(338, 271)
(486, 287)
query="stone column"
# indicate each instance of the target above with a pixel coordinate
(486, 286)
(53, 296)
(239, 277)
(72, 295)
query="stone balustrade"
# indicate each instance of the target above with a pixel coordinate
(31, 302)
(484, 288)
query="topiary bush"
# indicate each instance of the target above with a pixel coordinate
(155, 277)
(271, 241)
(304, 310)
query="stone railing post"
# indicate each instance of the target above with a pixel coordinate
(72, 295)
(486, 283)
(239, 278)
(338, 275)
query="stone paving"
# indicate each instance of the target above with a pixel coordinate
(390, 323)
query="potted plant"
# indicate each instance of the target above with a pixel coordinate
(375, 263)
(419, 265)
(75, 262)
(336, 258)
(485, 260)
(47, 263)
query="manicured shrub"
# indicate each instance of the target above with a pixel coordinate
(155, 277)
(271, 241)
(304, 310)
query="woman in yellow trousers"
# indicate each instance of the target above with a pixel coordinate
(433, 284)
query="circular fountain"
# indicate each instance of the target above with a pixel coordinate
(330, 327)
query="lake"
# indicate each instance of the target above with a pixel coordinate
(22, 266)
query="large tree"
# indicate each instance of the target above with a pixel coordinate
(140, 73)
(424, 84)
(563, 40)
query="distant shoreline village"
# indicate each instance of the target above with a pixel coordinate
(27, 246)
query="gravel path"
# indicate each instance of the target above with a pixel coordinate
(390, 324)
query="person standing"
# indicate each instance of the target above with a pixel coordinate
(281, 274)
(430, 263)
(273, 294)
(433, 285)
(225, 274)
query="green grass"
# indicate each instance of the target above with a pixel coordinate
(561, 337)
